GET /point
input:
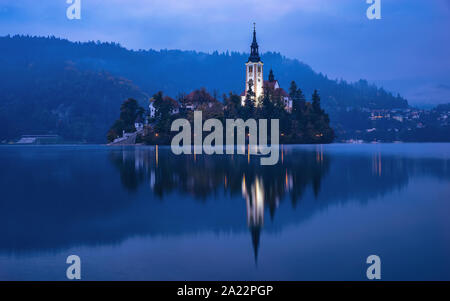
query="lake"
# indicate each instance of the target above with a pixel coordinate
(142, 213)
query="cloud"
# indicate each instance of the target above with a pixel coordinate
(214, 9)
(334, 37)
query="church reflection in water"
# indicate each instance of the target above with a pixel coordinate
(298, 178)
(204, 177)
(254, 200)
(154, 193)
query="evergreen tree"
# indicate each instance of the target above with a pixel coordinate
(129, 112)
(233, 106)
(319, 122)
(298, 101)
(293, 89)
(316, 103)
(249, 108)
(267, 107)
(164, 107)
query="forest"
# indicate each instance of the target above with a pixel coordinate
(54, 86)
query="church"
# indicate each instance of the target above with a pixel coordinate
(254, 78)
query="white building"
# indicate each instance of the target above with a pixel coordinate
(139, 124)
(152, 109)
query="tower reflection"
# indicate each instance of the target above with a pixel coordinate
(204, 177)
(153, 192)
(254, 200)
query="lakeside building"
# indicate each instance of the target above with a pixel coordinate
(39, 139)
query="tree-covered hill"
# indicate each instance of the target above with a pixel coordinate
(78, 105)
(75, 89)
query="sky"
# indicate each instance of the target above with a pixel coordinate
(406, 51)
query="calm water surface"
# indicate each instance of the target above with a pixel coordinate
(141, 213)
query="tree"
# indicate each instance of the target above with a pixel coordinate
(249, 108)
(233, 106)
(267, 107)
(298, 101)
(129, 112)
(318, 122)
(316, 103)
(293, 89)
(199, 97)
(164, 107)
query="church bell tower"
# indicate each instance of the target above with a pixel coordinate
(254, 69)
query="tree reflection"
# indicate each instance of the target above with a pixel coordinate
(204, 176)
(96, 196)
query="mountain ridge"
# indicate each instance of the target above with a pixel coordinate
(29, 59)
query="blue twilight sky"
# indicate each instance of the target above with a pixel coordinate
(408, 51)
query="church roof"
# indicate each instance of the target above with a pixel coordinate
(283, 92)
(271, 85)
(271, 76)
(254, 52)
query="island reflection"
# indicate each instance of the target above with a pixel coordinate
(61, 197)
(205, 176)
(358, 177)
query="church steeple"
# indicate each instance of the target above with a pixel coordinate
(254, 73)
(256, 234)
(271, 76)
(254, 53)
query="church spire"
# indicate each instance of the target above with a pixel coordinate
(254, 35)
(256, 234)
(254, 53)
(271, 76)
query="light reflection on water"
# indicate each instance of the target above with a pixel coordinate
(144, 213)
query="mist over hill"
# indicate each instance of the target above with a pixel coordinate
(51, 85)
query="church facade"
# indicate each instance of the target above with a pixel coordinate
(254, 78)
